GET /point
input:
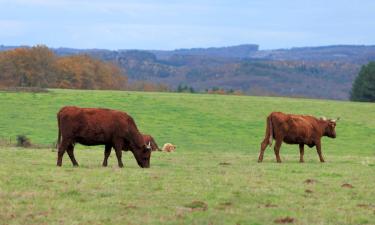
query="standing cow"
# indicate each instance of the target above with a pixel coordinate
(98, 126)
(296, 129)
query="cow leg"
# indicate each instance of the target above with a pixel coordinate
(107, 152)
(70, 151)
(319, 150)
(60, 153)
(263, 147)
(277, 150)
(301, 152)
(118, 149)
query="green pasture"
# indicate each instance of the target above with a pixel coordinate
(212, 178)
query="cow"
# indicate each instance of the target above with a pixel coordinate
(151, 142)
(100, 126)
(168, 147)
(296, 129)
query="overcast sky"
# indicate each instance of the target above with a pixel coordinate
(169, 24)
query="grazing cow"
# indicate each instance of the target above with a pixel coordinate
(296, 129)
(151, 142)
(97, 126)
(168, 147)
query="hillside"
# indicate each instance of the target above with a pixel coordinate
(212, 178)
(314, 72)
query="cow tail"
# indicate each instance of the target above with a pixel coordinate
(269, 130)
(59, 132)
(156, 145)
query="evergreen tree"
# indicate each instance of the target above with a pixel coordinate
(364, 85)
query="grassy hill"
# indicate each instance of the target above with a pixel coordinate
(218, 141)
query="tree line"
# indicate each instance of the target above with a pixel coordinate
(38, 66)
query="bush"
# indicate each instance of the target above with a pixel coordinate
(23, 141)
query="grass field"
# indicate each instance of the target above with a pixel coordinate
(215, 164)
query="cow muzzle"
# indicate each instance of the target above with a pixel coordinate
(145, 166)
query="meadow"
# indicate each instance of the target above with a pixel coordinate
(212, 178)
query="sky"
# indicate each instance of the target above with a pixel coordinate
(171, 24)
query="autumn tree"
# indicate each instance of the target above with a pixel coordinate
(24, 67)
(40, 67)
(84, 72)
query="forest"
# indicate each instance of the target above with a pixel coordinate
(40, 67)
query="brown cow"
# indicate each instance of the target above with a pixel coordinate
(296, 129)
(97, 126)
(151, 142)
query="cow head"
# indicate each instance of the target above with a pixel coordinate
(143, 156)
(330, 130)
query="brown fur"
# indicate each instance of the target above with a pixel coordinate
(97, 126)
(296, 129)
(168, 147)
(149, 139)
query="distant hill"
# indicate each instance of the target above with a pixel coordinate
(239, 51)
(317, 72)
(342, 53)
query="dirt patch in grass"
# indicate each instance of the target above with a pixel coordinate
(128, 206)
(191, 207)
(309, 181)
(346, 185)
(197, 206)
(270, 205)
(284, 220)
(225, 164)
(308, 191)
(366, 206)
(224, 205)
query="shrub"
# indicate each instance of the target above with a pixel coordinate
(23, 141)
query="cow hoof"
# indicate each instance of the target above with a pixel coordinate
(301, 161)
(259, 161)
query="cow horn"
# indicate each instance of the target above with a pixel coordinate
(149, 145)
(338, 118)
(323, 118)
